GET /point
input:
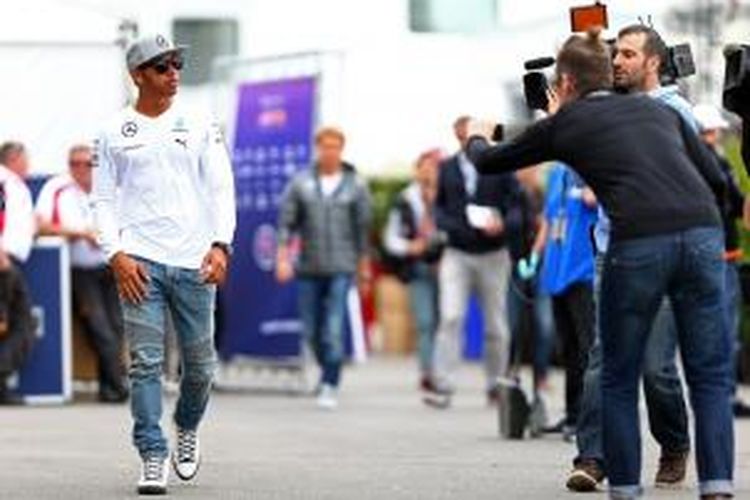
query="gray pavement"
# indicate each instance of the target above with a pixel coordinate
(381, 444)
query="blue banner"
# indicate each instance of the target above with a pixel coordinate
(273, 139)
(46, 375)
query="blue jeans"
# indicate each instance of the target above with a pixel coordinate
(528, 295)
(665, 400)
(183, 294)
(733, 305)
(687, 267)
(667, 413)
(423, 299)
(322, 308)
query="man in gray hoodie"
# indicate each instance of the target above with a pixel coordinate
(328, 207)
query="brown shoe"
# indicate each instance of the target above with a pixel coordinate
(585, 476)
(672, 469)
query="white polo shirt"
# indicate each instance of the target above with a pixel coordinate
(17, 225)
(163, 187)
(63, 203)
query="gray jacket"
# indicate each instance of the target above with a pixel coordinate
(334, 230)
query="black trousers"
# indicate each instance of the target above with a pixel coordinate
(574, 320)
(97, 307)
(15, 311)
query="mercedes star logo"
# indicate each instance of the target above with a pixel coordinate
(129, 129)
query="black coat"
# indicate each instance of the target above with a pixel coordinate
(501, 192)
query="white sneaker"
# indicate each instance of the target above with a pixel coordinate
(186, 458)
(327, 398)
(154, 474)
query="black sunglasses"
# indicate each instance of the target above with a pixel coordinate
(162, 64)
(80, 163)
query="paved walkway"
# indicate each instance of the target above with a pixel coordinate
(381, 444)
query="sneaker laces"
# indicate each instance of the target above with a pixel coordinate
(153, 469)
(186, 445)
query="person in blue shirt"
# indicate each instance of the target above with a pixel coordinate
(567, 275)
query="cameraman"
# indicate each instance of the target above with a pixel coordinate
(655, 180)
(640, 56)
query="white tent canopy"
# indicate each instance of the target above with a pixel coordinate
(55, 21)
(62, 74)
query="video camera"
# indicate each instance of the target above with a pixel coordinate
(679, 63)
(536, 82)
(737, 79)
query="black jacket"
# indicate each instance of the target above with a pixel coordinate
(647, 167)
(499, 191)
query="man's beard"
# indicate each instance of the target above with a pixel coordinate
(627, 86)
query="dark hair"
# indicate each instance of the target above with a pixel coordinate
(8, 149)
(587, 59)
(653, 46)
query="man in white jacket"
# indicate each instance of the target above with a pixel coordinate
(63, 208)
(17, 230)
(163, 199)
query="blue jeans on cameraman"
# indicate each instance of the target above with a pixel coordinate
(322, 308)
(686, 266)
(183, 294)
(665, 401)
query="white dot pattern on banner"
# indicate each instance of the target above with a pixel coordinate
(261, 174)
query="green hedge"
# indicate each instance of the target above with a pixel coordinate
(732, 152)
(384, 191)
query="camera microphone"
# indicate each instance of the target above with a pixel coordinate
(539, 63)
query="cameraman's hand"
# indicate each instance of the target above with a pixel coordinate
(481, 128)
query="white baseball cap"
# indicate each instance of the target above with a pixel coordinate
(150, 47)
(709, 117)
